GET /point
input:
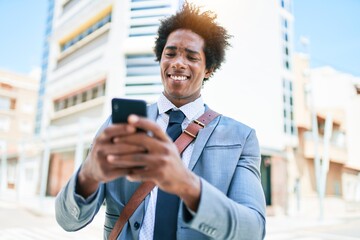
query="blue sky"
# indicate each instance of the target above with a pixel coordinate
(332, 27)
(22, 29)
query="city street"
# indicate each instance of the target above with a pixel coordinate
(23, 223)
(312, 229)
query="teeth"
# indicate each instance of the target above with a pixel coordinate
(178, 78)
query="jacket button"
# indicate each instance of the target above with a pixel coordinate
(136, 225)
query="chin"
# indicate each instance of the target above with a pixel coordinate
(174, 95)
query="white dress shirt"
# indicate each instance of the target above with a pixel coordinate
(192, 111)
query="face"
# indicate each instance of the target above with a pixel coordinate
(183, 67)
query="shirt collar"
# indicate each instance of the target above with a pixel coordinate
(190, 109)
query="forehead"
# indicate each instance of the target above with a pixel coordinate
(184, 38)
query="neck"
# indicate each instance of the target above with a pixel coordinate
(179, 102)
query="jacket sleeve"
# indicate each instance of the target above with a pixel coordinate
(72, 211)
(240, 214)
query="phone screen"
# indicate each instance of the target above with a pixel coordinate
(122, 108)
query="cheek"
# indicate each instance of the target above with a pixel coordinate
(162, 64)
(199, 74)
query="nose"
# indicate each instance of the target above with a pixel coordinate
(179, 63)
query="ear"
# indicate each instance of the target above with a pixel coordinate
(208, 72)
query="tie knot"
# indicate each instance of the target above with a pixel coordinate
(176, 116)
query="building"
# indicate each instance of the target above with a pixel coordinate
(18, 95)
(328, 110)
(39, 120)
(257, 80)
(97, 50)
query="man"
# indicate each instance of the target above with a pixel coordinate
(216, 178)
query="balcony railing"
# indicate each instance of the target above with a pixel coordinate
(337, 147)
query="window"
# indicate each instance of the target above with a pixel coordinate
(94, 93)
(75, 99)
(4, 124)
(81, 97)
(57, 106)
(285, 4)
(288, 110)
(61, 104)
(145, 16)
(285, 23)
(7, 103)
(141, 65)
(357, 89)
(86, 32)
(143, 75)
(66, 101)
(101, 90)
(287, 64)
(68, 4)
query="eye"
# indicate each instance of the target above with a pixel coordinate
(192, 58)
(170, 54)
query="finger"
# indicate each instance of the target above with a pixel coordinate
(142, 174)
(121, 139)
(122, 148)
(134, 178)
(115, 130)
(148, 125)
(116, 173)
(129, 161)
(151, 144)
(152, 163)
(149, 162)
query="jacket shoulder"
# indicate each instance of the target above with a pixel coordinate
(234, 124)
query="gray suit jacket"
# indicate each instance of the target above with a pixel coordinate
(226, 156)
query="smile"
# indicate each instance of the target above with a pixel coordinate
(178, 78)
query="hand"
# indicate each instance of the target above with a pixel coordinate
(161, 162)
(98, 165)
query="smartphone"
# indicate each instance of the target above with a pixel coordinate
(122, 108)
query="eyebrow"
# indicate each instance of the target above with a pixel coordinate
(186, 49)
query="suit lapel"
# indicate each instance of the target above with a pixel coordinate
(201, 140)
